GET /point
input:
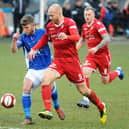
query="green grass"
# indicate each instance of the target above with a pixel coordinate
(115, 95)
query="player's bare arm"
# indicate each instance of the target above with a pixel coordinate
(14, 47)
(80, 44)
(105, 40)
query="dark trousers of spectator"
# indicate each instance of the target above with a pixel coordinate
(116, 23)
(16, 21)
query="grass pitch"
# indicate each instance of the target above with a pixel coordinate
(115, 95)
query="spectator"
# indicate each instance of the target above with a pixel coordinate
(99, 9)
(4, 31)
(125, 15)
(78, 14)
(108, 15)
(116, 17)
(67, 9)
(19, 11)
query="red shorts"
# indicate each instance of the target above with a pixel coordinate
(103, 63)
(72, 69)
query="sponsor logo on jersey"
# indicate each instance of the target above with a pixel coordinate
(73, 27)
(52, 28)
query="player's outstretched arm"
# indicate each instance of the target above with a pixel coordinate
(14, 47)
(41, 43)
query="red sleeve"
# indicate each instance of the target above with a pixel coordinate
(101, 28)
(74, 35)
(41, 42)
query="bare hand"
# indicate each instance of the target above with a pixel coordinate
(92, 50)
(62, 36)
(31, 55)
(16, 36)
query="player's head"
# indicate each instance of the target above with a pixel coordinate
(27, 23)
(55, 13)
(89, 14)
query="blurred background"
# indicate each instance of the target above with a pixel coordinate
(113, 13)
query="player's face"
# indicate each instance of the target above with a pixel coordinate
(89, 16)
(28, 29)
(53, 16)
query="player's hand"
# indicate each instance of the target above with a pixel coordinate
(31, 55)
(62, 36)
(92, 50)
(16, 36)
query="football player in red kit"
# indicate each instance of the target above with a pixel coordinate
(64, 35)
(96, 36)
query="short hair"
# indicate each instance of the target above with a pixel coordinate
(26, 20)
(89, 8)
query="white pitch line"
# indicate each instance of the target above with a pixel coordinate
(8, 128)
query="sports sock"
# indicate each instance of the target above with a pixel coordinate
(26, 103)
(46, 96)
(112, 76)
(55, 96)
(95, 100)
(87, 82)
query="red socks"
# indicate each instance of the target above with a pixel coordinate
(112, 76)
(46, 96)
(95, 100)
(87, 82)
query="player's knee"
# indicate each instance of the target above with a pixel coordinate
(84, 91)
(26, 90)
(104, 81)
(86, 73)
(45, 81)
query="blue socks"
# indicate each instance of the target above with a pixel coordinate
(26, 103)
(55, 97)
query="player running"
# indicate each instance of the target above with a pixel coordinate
(64, 35)
(36, 67)
(96, 35)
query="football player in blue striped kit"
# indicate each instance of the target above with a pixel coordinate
(36, 67)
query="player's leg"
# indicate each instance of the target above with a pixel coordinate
(85, 101)
(104, 68)
(88, 68)
(76, 76)
(26, 100)
(49, 77)
(95, 100)
(55, 95)
(31, 82)
(54, 91)
(56, 102)
(112, 76)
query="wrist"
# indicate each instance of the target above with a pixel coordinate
(33, 49)
(14, 39)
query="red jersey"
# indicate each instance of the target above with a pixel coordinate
(62, 48)
(93, 34)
